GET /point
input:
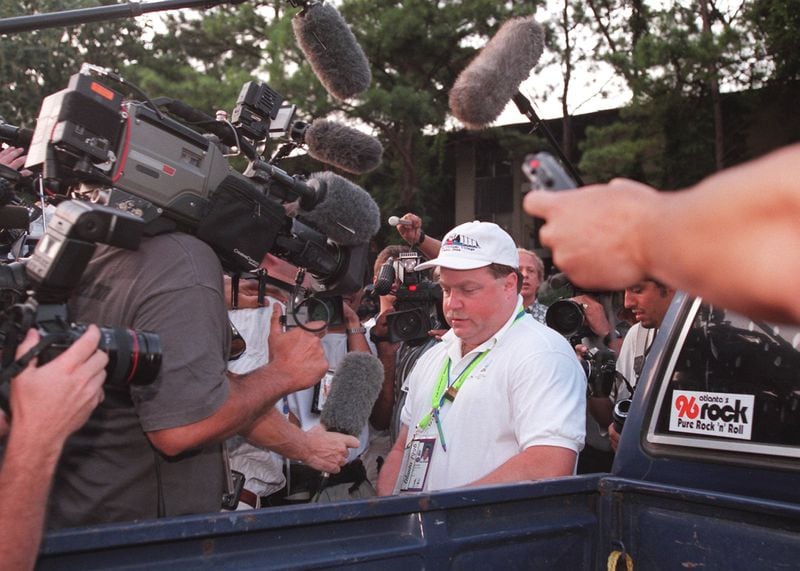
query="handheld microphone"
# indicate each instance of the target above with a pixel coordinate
(332, 50)
(395, 221)
(354, 390)
(341, 146)
(492, 79)
(385, 279)
(347, 214)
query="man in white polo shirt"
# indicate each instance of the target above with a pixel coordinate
(502, 398)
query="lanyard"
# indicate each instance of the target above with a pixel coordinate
(446, 391)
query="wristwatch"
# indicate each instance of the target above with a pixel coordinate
(355, 330)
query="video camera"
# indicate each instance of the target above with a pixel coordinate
(131, 156)
(418, 301)
(54, 270)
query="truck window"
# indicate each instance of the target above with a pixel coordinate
(733, 384)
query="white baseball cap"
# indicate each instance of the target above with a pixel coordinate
(475, 245)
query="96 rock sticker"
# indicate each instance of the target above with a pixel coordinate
(721, 415)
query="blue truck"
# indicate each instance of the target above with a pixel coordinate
(706, 477)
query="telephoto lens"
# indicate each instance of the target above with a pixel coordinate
(565, 316)
(134, 357)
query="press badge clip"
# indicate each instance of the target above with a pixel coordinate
(450, 393)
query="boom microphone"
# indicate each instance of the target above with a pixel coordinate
(347, 214)
(492, 79)
(354, 390)
(343, 147)
(332, 50)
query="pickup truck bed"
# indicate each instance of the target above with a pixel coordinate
(676, 499)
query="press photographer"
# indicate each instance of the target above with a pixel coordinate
(585, 319)
(156, 448)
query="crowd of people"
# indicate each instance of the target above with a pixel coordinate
(492, 396)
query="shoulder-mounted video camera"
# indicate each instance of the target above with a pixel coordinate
(53, 272)
(418, 301)
(132, 156)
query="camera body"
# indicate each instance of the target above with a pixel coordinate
(418, 302)
(131, 156)
(600, 366)
(300, 309)
(55, 270)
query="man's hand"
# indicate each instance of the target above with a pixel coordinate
(351, 320)
(54, 400)
(613, 436)
(14, 157)
(327, 451)
(410, 233)
(594, 314)
(297, 353)
(616, 216)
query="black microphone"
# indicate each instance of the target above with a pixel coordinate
(354, 389)
(492, 79)
(341, 146)
(347, 214)
(15, 136)
(332, 50)
(385, 279)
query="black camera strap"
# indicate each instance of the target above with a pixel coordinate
(17, 366)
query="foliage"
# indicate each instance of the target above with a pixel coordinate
(38, 63)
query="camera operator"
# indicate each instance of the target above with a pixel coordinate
(48, 403)
(156, 450)
(649, 301)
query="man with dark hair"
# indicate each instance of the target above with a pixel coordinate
(649, 301)
(482, 400)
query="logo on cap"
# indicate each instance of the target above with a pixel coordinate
(460, 242)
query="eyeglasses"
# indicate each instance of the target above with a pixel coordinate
(238, 344)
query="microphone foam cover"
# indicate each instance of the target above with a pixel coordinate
(346, 205)
(354, 390)
(332, 50)
(488, 83)
(343, 147)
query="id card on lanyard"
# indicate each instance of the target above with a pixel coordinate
(419, 451)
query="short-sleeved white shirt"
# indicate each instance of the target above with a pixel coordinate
(529, 390)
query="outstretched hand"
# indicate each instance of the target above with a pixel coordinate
(606, 252)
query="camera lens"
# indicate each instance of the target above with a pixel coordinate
(565, 316)
(620, 413)
(134, 357)
(408, 325)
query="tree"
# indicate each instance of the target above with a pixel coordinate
(36, 64)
